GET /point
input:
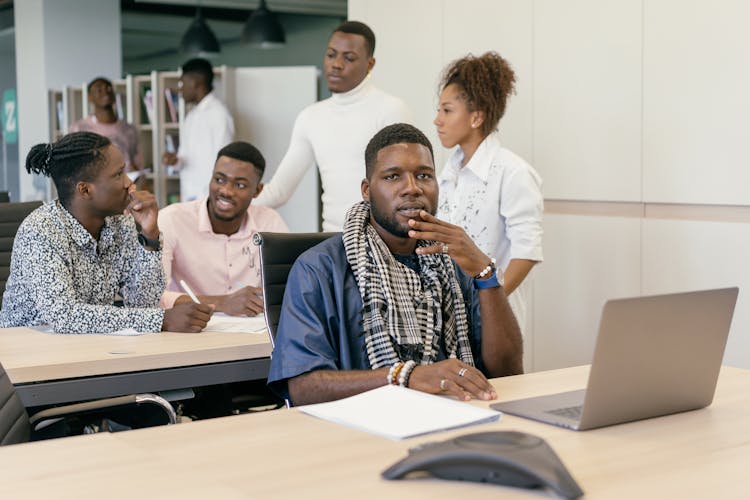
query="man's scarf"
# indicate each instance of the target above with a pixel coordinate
(405, 313)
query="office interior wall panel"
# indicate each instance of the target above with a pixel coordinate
(587, 98)
(357, 10)
(408, 54)
(696, 103)
(505, 26)
(691, 255)
(587, 260)
(266, 103)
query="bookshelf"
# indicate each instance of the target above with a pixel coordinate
(57, 125)
(140, 89)
(264, 103)
(75, 102)
(65, 107)
(170, 113)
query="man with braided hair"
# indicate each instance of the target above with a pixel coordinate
(400, 297)
(73, 256)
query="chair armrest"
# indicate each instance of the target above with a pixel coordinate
(102, 404)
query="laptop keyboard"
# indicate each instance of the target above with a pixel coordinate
(571, 412)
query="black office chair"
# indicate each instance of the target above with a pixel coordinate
(11, 216)
(17, 427)
(278, 251)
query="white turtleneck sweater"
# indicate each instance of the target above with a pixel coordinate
(333, 134)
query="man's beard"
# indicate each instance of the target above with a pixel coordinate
(388, 221)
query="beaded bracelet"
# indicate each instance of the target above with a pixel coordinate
(389, 377)
(486, 270)
(399, 368)
(403, 379)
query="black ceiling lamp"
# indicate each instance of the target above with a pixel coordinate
(199, 39)
(263, 29)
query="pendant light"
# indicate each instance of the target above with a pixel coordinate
(263, 29)
(199, 39)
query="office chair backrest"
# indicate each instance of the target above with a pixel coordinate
(278, 251)
(14, 421)
(11, 216)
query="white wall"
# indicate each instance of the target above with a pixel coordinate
(59, 42)
(634, 113)
(266, 103)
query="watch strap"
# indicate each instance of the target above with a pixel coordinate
(149, 243)
(491, 282)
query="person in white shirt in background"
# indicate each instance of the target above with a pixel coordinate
(208, 127)
(486, 189)
(333, 133)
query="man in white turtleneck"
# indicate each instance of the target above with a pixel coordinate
(333, 133)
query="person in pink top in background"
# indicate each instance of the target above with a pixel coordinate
(208, 242)
(104, 121)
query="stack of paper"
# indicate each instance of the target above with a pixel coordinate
(220, 322)
(398, 413)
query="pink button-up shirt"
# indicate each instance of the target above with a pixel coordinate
(210, 263)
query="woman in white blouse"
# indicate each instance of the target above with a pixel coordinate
(486, 189)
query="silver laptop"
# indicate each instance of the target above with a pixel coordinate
(654, 356)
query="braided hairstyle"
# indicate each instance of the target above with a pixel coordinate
(74, 158)
(484, 82)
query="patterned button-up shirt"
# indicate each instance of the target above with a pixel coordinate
(61, 276)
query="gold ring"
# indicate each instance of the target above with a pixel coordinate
(462, 372)
(443, 384)
(445, 248)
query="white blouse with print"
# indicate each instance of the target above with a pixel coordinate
(496, 197)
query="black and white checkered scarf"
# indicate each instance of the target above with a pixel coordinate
(405, 312)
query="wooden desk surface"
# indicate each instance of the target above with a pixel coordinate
(286, 454)
(32, 356)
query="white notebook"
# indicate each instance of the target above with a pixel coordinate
(399, 413)
(220, 322)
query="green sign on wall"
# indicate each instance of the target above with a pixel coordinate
(9, 114)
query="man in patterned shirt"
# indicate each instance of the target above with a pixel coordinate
(72, 257)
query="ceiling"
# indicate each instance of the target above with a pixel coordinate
(318, 7)
(152, 28)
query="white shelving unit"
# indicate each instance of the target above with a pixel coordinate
(264, 103)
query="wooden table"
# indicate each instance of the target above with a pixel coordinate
(49, 368)
(286, 454)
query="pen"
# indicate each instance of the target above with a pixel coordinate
(189, 291)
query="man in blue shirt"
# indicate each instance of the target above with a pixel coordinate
(392, 300)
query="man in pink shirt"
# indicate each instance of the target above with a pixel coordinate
(208, 242)
(104, 121)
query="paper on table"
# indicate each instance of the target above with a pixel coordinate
(398, 413)
(221, 322)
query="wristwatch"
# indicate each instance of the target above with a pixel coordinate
(492, 282)
(149, 243)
